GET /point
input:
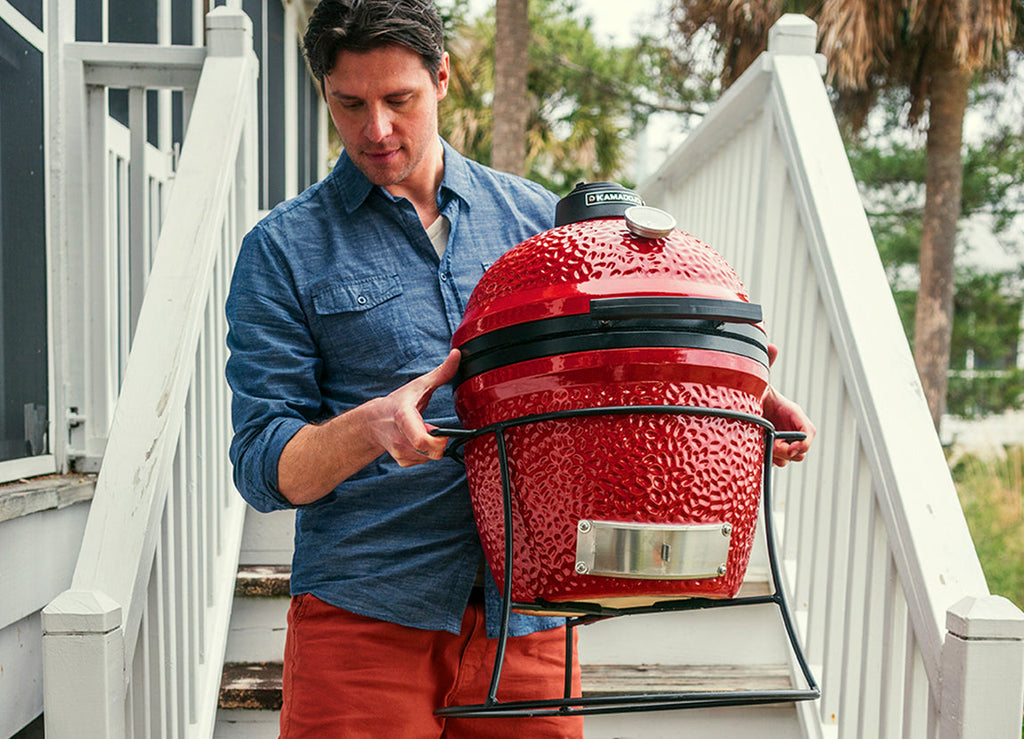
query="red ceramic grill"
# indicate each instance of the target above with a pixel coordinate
(605, 312)
(611, 385)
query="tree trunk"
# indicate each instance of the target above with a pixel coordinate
(511, 111)
(933, 324)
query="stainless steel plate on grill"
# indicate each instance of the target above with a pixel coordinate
(652, 551)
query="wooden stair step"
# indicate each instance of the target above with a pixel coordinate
(255, 685)
(258, 685)
(263, 581)
(599, 680)
(273, 581)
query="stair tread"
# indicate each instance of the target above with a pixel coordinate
(616, 679)
(263, 581)
(258, 685)
(253, 685)
(273, 581)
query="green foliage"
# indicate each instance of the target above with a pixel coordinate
(587, 100)
(992, 495)
(987, 309)
(889, 165)
(984, 394)
(906, 302)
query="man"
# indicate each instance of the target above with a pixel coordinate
(341, 312)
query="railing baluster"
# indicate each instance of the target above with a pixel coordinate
(835, 604)
(170, 606)
(204, 480)
(817, 506)
(189, 596)
(151, 658)
(815, 397)
(120, 217)
(211, 430)
(915, 689)
(137, 200)
(858, 543)
(894, 644)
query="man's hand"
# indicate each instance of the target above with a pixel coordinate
(321, 456)
(396, 422)
(786, 415)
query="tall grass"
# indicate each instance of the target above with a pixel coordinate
(992, 495)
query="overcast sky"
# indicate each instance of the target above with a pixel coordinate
(617, 20)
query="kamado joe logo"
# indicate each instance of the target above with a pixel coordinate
(612, 196)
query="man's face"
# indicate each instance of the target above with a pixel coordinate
(384, 105)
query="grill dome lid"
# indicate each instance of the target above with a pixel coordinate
(592, 283)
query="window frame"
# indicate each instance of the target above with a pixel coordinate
(47, 463)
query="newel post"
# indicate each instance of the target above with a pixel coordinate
(982, 669)
(84, 683)
(228, 32)
(795, 35)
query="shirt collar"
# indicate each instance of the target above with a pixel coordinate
(354, 187)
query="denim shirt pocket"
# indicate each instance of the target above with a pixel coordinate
(363, 325)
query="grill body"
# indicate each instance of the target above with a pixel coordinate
(625, 509)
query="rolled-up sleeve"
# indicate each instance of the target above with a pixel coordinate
(273, 368)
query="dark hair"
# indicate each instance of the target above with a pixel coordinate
(365, 25)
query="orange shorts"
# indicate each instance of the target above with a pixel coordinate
(346, 675)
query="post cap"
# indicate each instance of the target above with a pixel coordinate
(989, 617)
(81, 612)
(228, 32)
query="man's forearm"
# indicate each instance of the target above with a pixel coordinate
(322, 456)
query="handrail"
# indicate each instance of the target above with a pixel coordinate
(877, 550)
(144, 624)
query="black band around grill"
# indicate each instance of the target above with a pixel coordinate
(623, 323)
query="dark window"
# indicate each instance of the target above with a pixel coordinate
(254, 9)
(132, 22)
(181, 22)
(89, 20)
(314, 127)
(267, 18)
(31, 9)
(273, 67)
(23, 361)
(302, 125)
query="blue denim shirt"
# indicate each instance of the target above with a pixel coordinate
(338, 297)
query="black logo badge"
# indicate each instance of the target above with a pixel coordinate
(603, 197)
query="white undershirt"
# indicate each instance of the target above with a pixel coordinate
(438, 232)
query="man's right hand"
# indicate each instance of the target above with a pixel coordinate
(397, 419)
(321, 456)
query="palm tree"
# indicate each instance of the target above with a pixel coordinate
(511, 111)
(932, 49)
(581, 105)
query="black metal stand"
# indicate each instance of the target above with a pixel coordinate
(587, 613)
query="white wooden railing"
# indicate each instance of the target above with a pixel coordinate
(135, 647)
(116, 194)
(891, 602)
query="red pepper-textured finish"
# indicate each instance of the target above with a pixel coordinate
(642, 468)
(558, 272)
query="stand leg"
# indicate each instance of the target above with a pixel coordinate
(773, 566)
(506, 595)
